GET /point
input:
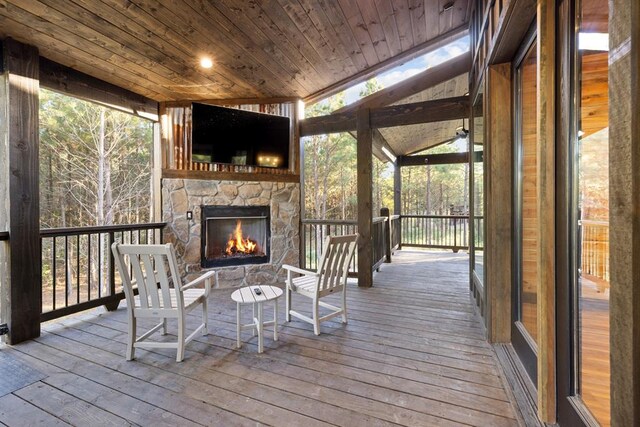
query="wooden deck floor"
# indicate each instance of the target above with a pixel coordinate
(412, 354)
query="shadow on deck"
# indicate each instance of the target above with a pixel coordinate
(413, 353)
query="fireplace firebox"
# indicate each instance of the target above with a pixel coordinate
(235, 235)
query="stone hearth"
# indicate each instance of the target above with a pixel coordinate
(182, 195)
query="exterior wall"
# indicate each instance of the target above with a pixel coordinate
(182, 195)
(624, 173)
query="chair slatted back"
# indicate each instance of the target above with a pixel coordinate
(148, 265)
(334, 263)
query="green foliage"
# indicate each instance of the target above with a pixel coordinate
(95, 164)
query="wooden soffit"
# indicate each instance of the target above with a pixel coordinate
(265, 49)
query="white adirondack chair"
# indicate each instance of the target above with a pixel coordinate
(330, 278)
(156, 299)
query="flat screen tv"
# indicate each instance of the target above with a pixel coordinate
(227, 135)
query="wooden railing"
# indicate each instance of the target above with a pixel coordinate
(314, 232)
(595, 248)
(439, 231)
(395, 233)
(379, 239)
(78, 272)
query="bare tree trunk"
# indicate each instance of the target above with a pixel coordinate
(101, 172)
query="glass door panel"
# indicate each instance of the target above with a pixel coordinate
(525, 290)
(592, 210)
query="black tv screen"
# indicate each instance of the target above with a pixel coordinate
(227, 135)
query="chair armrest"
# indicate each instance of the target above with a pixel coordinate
(204, 278)
(299, 270)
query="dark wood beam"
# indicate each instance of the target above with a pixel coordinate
(365, 200)
(408, 55)
(66, 80)
(416, 84)
(438, 110)
(379, 142)
(438, 159)
(22, 296)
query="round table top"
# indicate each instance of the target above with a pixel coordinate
(248, 294)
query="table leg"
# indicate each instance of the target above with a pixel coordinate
(275, 319)
(238, 325)
(260, 327)
(253, 331)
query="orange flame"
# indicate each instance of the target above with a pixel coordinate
(238, 244)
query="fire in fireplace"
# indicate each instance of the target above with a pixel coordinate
(240, 245)
(234, 235)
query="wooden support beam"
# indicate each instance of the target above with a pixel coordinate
(431, 77)
(498, 153)
(439, 159)
(365, 200)
(546, 211)
(66, 80)
(405, 56)
(379, 142)
(21, 299)
(438, 110)
(624, 185)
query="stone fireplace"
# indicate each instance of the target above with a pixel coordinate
(278, 201)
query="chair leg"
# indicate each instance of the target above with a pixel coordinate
(205, 319)
(344, 304)
(287, 295)
(132, 338)
(181, 337)
(316, 322)
(164, 326)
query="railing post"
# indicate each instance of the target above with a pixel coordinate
(387, 233)
(455, 234)
(111, 306)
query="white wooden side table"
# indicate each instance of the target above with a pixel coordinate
(256, 295)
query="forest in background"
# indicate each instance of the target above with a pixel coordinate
(95, 164)
(330, 177)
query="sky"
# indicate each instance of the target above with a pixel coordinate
(413, 67)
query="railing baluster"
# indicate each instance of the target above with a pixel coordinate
(78, 269)
(53, 272)
(89, 267)
(66, 271)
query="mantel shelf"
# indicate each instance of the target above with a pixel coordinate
(229, 176)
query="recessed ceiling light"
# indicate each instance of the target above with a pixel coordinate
(206, 63)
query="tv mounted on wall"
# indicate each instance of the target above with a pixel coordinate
(227, 135)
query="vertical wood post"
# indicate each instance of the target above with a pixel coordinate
(546, 211)
(498, 152)
(387, 233)
(397, 196)
(365, 199)
(624, 201)
(22, 296)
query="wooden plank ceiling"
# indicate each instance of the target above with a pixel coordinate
(413, 138)
(260, 49)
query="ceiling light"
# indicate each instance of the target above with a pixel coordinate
(206, 63)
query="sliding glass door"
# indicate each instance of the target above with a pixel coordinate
(524, 334)
(583, 282)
